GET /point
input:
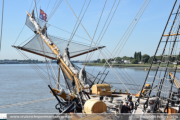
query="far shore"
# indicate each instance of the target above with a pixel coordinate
(147, 65)
(118, 65)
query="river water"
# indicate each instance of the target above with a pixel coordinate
(21, 83)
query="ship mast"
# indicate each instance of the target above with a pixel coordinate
(72, 76)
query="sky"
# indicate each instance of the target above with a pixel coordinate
(144, 38)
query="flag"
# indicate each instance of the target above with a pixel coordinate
(43, 15)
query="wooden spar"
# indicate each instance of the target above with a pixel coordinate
(58, 78)
(68, 75)
(77, 84)
(171, 34)
(87, 52)
(21, 48)
(53, 58)
(175, 80)
(27, 13)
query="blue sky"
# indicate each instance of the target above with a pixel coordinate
(144, 38)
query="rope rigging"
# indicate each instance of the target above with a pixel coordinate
(127, 32)
(33, 66)
(69, 32)
(2, 22)
(30, 5)
(48, 6)
(90, 56)
(36, 11)
(19, 34)
(73, 32)
(98, 49)
(135, 21)
(38, 69)
(96, 29)
(44, 49)
(125, 78)
(124, 71)
(53, 11)
(96, 46)
(165, 83)
(78, 23)
(42, 44)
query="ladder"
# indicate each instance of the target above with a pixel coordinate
(166, 49)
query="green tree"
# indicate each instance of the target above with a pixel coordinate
(134, 61)
(103, 61)
(109, 60)
(98, 60)
(145, 58)
(125, 58)
(94, 61)
(135, 56)
(118, 59)
(151, 58)
(131, 58)
(172, 59)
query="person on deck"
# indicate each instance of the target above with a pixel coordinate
(151, 106)
(131, 104)
(67, 50)
(125, 108)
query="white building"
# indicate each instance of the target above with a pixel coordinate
(127, 61)
(140, 62)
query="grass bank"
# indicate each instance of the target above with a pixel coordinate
(128, 65)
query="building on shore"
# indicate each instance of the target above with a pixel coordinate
(140, 62)
(127, 61)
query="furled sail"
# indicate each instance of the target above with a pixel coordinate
(68, 62)
(89, 79)
(83, 79)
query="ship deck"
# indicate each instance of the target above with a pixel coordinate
(117, 98)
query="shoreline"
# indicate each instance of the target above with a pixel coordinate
(132, 65)
(118, 65)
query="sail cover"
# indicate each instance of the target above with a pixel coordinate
(37, 46)
(90, 79)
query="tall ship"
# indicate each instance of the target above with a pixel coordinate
(86, 93)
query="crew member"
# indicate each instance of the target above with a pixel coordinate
(131, 104)
(151, 106)
(125, 108)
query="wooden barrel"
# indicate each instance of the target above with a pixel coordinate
(95, 106)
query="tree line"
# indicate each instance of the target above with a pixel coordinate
(138, 57)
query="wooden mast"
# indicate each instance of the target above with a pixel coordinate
(64, 67)
(58, 77)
